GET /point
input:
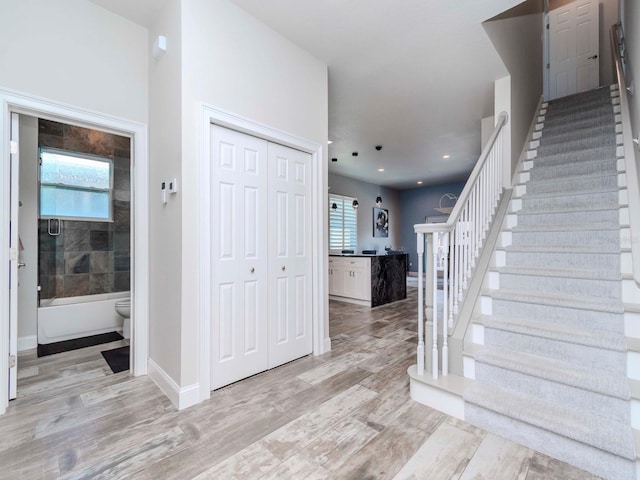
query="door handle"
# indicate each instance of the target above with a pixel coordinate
(283, 268)
(252, 270)
(21, 264)
(592, 57)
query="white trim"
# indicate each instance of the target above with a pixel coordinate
(210, 114)
(28, 342)
(12, 101)
(181, 397)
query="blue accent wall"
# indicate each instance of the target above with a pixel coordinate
(416, 205)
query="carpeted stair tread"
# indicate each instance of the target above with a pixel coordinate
(591, 208)
(589, 379)
(578, 125)
(602, 165)
(576, 144)
(577, 192)
(582, 426)
(562, 184)
(580, 302)
(576, 133)
(580, 273)
(587, 156)
(557, 331)
(585, 227)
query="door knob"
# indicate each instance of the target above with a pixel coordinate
(283, 268)
(592, 57)
(252, 270)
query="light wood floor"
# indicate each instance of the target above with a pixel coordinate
(344, 415)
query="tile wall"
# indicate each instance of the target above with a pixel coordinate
(88, 257)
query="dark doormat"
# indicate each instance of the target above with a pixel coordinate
(118, 359)
(76, 343)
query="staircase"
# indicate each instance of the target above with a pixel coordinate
(550, 358)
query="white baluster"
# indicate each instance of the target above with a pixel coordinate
(434, 270)
(420, 353)
(445, 315)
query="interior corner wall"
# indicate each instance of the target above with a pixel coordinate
(233, 62)
(632, 42)
(165, 220)
(28, 231)
(366, 194)
(417, 204)
(77, 53)
(518, 41)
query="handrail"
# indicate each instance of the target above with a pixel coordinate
(633, 187)
(456, 244)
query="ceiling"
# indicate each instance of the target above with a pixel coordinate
(414, 76)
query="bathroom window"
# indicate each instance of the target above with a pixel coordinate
(75, 186)
(343, 224)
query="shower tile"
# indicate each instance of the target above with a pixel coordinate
(77, 262)
(121, 242)
(122, 196)
(99, 225)
(121, 179)
(76, 240)
(76, 285)
(122, 156)
(121, 281)
(49, 127)
(122, 217)
(45, 263)
(100, 283)
(76, 225)
(101, 262)
(123, 143)
(84, 140)
(101, 240)
(45, 287)
(52, 141)
(121, 262)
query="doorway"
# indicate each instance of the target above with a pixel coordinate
(16, 104)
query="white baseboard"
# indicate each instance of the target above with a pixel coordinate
(181, 397)
(327, 345)
(27, 343)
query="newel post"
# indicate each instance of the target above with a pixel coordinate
(420, 353)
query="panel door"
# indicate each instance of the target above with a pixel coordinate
(239, 256)
(290, 332)
(574, 48)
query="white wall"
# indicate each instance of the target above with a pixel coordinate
(366, 194)
(165, 221)
(76, 53)
(632, 39)
(231, 61)
(28, 231)
(519, 43)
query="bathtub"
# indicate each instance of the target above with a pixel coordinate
(75, 317)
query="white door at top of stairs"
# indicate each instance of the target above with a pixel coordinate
(260, 254)
(574, 64)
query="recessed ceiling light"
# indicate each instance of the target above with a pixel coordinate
(446, 156)
(381, 169)
(329, 142)
(419, 182)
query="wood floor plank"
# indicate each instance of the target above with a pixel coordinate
(343, 415)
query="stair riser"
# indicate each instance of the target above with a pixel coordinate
(577, 286)
(603, 200)
(604, 261)
(609, 407)
(565, 351)
(601, 463)
(575, 184)
(552, 119)
(588, 319)
(541, 173)
(606, 217)
(586, 237)
(548, 139)
(559, 129)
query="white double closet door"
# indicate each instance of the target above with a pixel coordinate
(261, 255)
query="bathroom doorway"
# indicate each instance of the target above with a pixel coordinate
(114, 272)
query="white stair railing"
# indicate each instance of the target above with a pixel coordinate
(633, 187)
(455, 247)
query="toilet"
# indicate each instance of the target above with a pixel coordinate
(123, 308)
